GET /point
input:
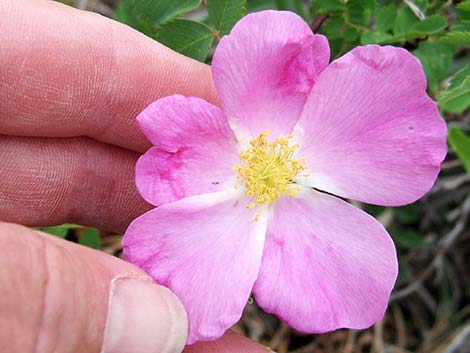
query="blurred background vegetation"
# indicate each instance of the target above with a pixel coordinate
(430, 307)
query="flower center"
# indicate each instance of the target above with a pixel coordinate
(268, 169)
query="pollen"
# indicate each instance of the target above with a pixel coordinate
(267, 169)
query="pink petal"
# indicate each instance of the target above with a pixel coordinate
(194, 152)
(326, 265)
(264, 70)
(207, 249)
(369, 131)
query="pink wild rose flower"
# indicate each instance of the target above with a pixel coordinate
(245, 193)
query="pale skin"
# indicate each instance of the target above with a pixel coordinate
(71, 84)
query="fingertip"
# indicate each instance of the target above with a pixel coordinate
(143, 317)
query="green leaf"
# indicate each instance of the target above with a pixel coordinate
(459, 77)
(144, 14)
(457, 96)
(462, 27)
(90, 238)
(225, 13)
(259, 5)
(59, 231)
(125, 14)
(321, 7)
(456, 38)
(463, 11)
(460, 143)
(408, 238)
(187, 37)
(360, 11)
(464, 6)
(334, 27)
(351, 34)
(422, 4)
(407, 214)
(405, 21)
(432, 24)
(416, 8)
(296, 6)
(436, 58)
(386, 17)
(337, 47)
(375, 38)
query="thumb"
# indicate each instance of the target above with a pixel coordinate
(62, 297)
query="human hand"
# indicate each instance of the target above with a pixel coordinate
(71, 83)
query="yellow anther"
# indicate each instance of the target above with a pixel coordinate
(268, 169)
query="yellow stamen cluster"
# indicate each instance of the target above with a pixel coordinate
(268, 169)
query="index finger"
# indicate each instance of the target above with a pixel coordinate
(66, 72)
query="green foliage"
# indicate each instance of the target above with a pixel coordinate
(406, 25)
(421, 26)
(404, 231)
(463, 11)
(187, 37)
(385, 18)
(408, 238)
(460, 143)
(376, 22)
(334, 27)
(259, 5)
(407, 214)
(372, 37)
(321, 7)
(153, 12)
(436, 58)
(225, 13)
(457, 38)
(144, 15)
(431, 25)
(346, 23)
(90, 238)
(86, 236)
(405, 21)
(359, 11)
(456, 98)
(156, 18)
(58, 231)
